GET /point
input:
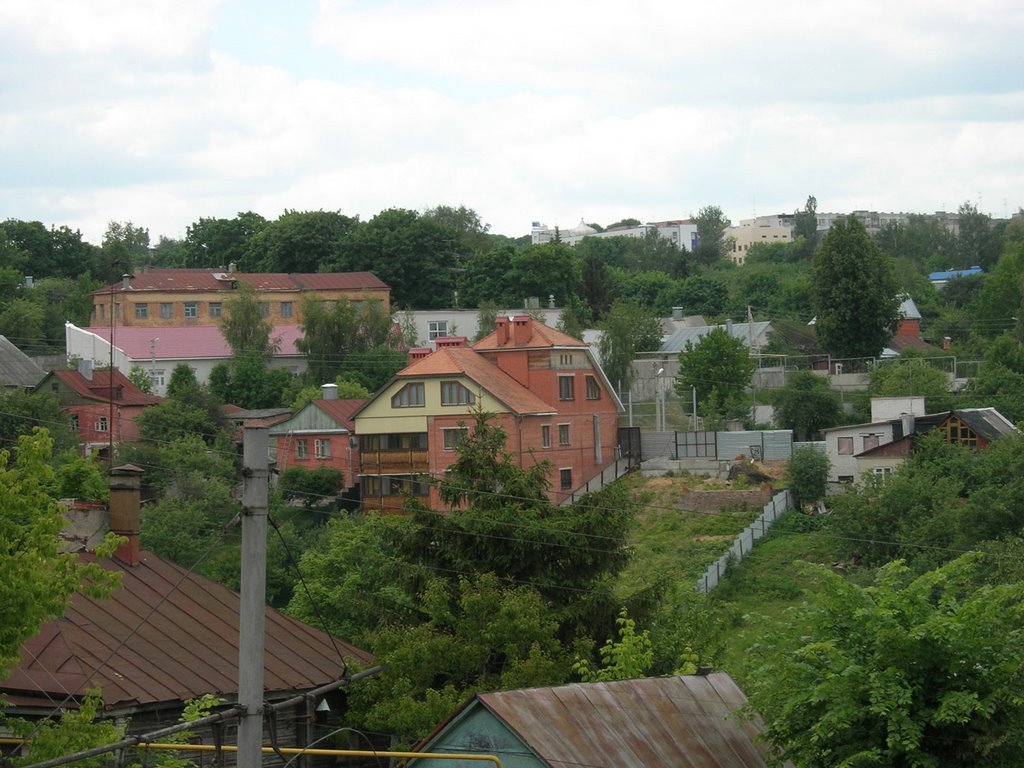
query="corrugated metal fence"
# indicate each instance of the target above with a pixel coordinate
(744, 543)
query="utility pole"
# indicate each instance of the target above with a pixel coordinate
(252, 606)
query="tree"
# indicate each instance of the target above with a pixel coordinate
(21, 413)
(807, 474)
(328, 333)
(36, 578)
(906, 672)
(912, 376)
(310, 486)
(211, 242)
(140, 377)
(711, 242)
(806, 405)
(466, 222)
(977, 243)
(626, 330)
(596, 285)
(628, 658)
(805, 228)
(720, 369)
(298, 241)
(243, 325)
(854, 292)
(124, 246)
(544, 270)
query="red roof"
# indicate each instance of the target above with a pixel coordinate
(165, 635)
(541, 337)
(99, 388)
(220, 280)
(341, 410)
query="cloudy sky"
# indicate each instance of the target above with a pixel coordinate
(162, 111)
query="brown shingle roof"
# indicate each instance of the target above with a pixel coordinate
(543, 336)
(454, 361)
(164, 636)
(99, 388)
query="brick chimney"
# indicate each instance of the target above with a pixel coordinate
(125, 517)
(501, 325)
(418, 353)
(450, 342)
(947, 342)
(522, 329)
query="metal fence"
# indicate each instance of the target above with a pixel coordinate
(744, 543)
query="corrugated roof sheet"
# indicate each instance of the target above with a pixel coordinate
(662, 721)
(742, 331)
(219, 280)
(187, 342)
(341, 410)
(16, 368)
(169, 636)
(101, 385)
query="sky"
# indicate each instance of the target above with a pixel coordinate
(161, 112)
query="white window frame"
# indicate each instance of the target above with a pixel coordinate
(564, 438)
(101, 424)
(191, 310)
(301, 448)
(437, 329)
(452, 437)
(545, 436)
(322, 448)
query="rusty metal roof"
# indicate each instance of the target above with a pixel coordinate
(660, 721)
(194, 280)
(166, 642)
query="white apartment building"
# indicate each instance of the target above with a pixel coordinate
(682, 232)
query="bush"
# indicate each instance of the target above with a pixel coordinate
(808, 475)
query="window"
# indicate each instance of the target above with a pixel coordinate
(870, 441)
(845, 446)
(593, 389)
(406, 441)
(156, 377)
(101, 424)
(301, 449)
(166, 310)
(566, 388)
(545, 436)
(141, 311)
(322, 449)
(452, 438)
(103, 310)
(436, 329)
(409, 396)
(565, 478)
(286, 309)
(216, 309)
(453, 393)
(881, 471)
(563, 434)
(191, 310)
(264, 308)
(74, 422)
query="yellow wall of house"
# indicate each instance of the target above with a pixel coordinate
(379, 417)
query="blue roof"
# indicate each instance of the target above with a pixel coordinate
(951, 273)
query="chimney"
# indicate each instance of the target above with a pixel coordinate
(908, 423)
(522, 329)
(29, 281)
(126, 282)
(947, 342)
(232, 268)
(677, 313)
(418, 353)
(450, 342)
(125, 518)
(501, 324)
(85, 368)
(329, 391)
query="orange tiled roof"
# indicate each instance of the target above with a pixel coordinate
(543, 336)
(456, 361)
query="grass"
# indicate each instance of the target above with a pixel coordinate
(671, 543)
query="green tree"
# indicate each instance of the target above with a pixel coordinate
(541, 271)
(720, 369)
(806, 405)
(854, 292)
(977, 242)
(1001, 298)
(21, 412)
(912, 376)
(921, 672)
(124, 246)
(627, 658)
(36, 578)
(298, 241)
(484, 277)
(211, 242)
(310, 486)
(327, 337)
(244, 326)
(596, 287)
(807, 474)
(711, 241)
(805, 228)
(140, 377)
(626, 330)
(466, 222)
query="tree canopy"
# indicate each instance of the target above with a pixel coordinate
(720, 368)
(854, 292)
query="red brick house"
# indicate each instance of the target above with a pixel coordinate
(320, 434)
(102, 404)
(544, 388)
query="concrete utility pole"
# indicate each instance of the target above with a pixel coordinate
(252, 606)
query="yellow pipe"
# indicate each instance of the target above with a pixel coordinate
(300, 751)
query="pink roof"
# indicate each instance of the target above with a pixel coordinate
(205, 280)
(187, 342)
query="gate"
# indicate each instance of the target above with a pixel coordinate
(694, 445)
(629, 444)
